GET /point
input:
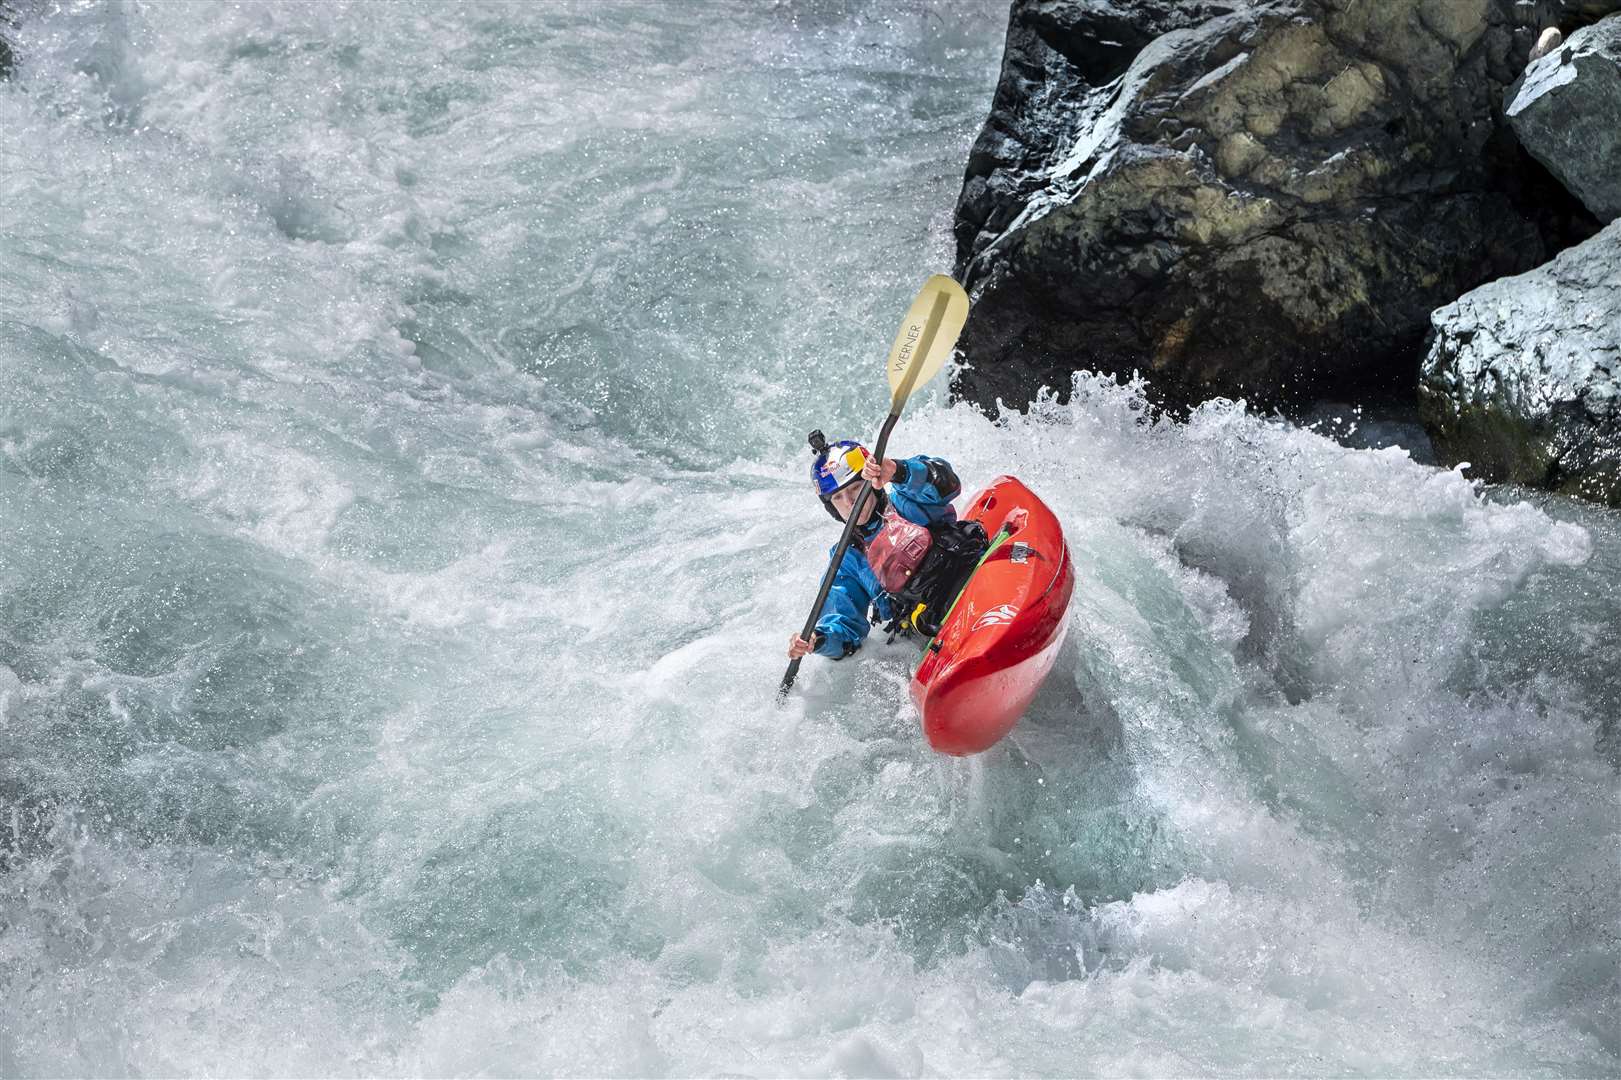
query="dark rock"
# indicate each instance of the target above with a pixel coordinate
(8, 26)
(1523, 376)
(1568, 15)
(1567, 113)
(1244, 197)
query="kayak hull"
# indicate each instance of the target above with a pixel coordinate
(1000, 641)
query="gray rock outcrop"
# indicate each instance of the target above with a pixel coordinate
(1263, 198)
(1566, 110)
(1523, 376)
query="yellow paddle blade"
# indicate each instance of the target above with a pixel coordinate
(927, 336)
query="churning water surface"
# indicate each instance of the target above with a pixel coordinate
(403, 506)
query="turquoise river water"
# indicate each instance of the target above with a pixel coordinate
(403, 507)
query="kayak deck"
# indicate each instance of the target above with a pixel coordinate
(998, 643)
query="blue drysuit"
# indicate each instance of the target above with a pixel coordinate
(921, 493)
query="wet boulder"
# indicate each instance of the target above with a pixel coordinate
(7, 26)
(1566, 110)
(1523, 376)
(1260, 198)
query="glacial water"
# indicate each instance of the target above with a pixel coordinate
(403, 507)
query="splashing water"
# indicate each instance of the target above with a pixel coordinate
(403, 507)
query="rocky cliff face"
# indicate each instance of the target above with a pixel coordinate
(1263, 198)
(1523, 377)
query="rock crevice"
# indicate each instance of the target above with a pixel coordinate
(1523, 375)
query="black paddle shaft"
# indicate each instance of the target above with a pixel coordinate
(838, 554)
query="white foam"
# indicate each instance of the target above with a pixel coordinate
(406, 511)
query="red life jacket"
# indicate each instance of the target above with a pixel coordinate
(895, 553)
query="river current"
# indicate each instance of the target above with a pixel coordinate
(404, 505)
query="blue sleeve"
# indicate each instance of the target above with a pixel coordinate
(844, 616)
(923, 489)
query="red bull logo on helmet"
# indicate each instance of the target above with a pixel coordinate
(841, 465)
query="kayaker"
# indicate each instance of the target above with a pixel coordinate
(909, 549)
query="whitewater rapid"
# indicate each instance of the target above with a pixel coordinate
(403, 506)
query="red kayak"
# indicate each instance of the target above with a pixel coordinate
(999, 642)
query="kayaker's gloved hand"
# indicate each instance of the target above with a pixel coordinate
(798, 646)
(879, 474)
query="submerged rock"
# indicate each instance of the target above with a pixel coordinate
(1523, 376)
(1566, 109)
(7, 58)
(9, 18)
(1245, 197)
